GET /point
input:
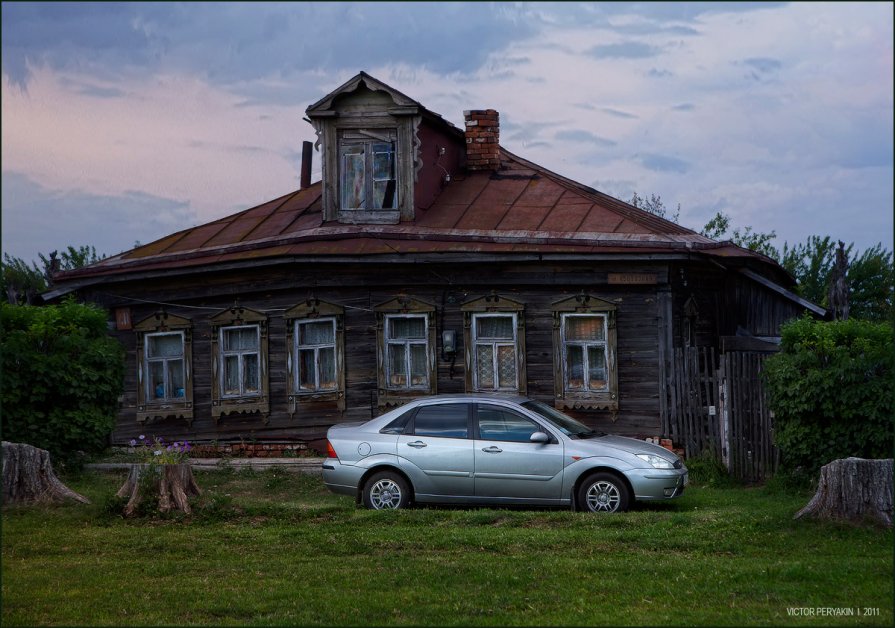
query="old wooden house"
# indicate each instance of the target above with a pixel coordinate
(427, 260)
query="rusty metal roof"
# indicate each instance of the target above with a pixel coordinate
(520, 208)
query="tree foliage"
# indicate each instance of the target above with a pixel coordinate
(831, 389)
(22, 283)
(717, 229)
(655, 206)
(62, 375)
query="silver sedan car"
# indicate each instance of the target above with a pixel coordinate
(493, 449)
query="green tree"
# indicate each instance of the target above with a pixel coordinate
(719, 225)
(21, 283)
(62, 375)
(655, 206)
(72, 258)
(831, 391)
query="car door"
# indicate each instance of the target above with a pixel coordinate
(507, 463)
(437, 452)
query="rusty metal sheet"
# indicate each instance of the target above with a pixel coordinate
(602, 220)
(441, 215)
(564, 218)
(540, 192)
(154, 248)
(195, 238)
(525, 218)
(492, 204)
(463, 191)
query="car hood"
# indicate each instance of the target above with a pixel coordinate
(629, 445)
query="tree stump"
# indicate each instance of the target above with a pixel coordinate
(28, 477)
(172, 484)
(853, 489)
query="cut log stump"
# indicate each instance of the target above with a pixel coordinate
(171, 484)
(28, 477)
(854, 489)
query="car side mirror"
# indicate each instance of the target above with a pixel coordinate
(539, 437)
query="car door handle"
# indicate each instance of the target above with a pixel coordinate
(492, 450)
(418, 444)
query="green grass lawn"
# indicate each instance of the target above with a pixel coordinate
(277, 548)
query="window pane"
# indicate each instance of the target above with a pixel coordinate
(318, 333)
(175, 378)
(496, 327)
(447, 420)
(157, 380)
(382, 162)
(407, 327)
(164, 346)
(499, 424)
(596, 368)
(327, 366)
(397, 367)
(241, 339)
(306, 370)
(484, 365)
(506, 366)
(384, 194)
(231, 375)
(250, 373)
(575, 367)
(353, 177)
(418, 367)
(584, 328)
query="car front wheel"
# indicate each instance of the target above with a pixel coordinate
(386, 491)
(603, 492)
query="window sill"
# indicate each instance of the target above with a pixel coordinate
(366, 216)
(295, 399)
(586, 402)
(167, 410)
(241, 405)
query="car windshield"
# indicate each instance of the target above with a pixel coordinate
(566, 424)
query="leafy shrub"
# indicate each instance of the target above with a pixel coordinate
(62, 375)
(832, 392)
(156, 451)
(707, 470)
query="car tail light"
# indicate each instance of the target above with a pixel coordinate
(330, 452)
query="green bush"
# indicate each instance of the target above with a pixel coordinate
(832, 392)
(62, 376)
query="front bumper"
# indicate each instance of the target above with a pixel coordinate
(649, 484)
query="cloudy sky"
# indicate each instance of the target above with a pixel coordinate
(126, 122)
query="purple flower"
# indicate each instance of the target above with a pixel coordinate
(142, 437)
(158, 452)
(170, 448)
(133, 443)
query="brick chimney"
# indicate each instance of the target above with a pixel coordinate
(482, 139)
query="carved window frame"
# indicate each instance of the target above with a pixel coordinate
(403, 306)
(314, 309)
(585, 304)
(149, 409)
(221, 404)
(494, 304)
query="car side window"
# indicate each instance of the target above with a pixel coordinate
(496, 423)
(397, 426)
(447, 420)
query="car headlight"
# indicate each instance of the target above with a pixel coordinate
(657, 462)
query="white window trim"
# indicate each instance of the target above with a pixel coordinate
(494, 344)
(224, 354)
(298, 347)
(424, 341)
(150, 394)
(584, 344)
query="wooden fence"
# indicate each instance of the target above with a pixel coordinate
(717, 403)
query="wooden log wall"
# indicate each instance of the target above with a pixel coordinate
(358, 288)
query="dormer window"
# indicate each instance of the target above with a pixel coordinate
(368, 136)
(367, 170)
